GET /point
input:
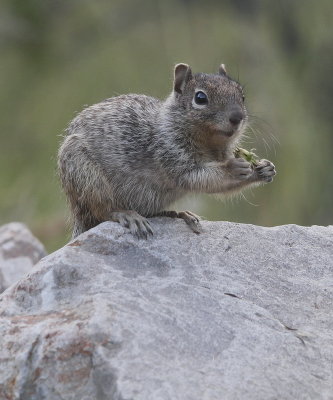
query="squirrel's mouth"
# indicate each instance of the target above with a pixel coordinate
(229, 133)
(226, 131)
(233, 131)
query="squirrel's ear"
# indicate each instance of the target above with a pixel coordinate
(222, 70)
(183, 74)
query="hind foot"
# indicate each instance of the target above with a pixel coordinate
(138, 225)
(192, 220)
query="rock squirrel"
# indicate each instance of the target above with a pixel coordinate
(131, 156)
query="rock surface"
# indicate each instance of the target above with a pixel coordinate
(19, 251)
(238, 312)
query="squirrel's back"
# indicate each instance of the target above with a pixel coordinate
(115, 123)
(107, 160)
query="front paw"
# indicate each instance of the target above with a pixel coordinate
(265, 171)
(239, 169)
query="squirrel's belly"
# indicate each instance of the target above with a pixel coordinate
(144, 196)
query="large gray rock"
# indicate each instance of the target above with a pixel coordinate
(238, 312)
(19, 251)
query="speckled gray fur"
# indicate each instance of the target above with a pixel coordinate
(131, 156)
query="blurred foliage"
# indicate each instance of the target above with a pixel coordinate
(57, 56)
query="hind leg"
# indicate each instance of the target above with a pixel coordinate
(192, 220)
(138, 225)
(78, 228)
(82, 221)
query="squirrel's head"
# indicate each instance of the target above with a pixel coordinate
(211, 102)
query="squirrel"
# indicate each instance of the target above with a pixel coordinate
(129, 157)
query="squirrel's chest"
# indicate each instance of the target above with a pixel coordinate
(210, 146)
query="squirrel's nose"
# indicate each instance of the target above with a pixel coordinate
(236, 117)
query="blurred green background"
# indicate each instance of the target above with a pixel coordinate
(57, 56)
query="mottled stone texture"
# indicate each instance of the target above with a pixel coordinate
(19, 251)
(238, 312)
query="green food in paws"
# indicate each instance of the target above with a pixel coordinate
(247, 155)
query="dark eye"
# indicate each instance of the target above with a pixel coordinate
(200, 98)
(243, 97)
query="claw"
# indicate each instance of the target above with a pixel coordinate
(265, 171)
(148, 227)
(137, 224)
(191, 220)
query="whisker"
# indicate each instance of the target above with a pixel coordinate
(248, 201)
(270, 129)
(267, 139)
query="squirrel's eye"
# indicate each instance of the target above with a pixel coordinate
(243, 97)
(200, 98)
